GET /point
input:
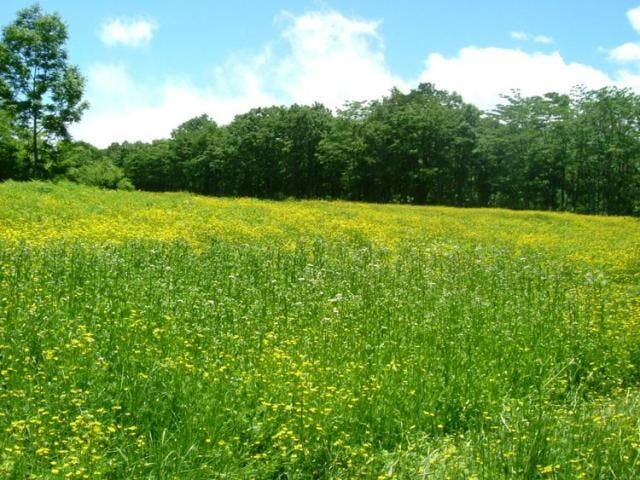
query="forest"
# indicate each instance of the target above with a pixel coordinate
(575, 152)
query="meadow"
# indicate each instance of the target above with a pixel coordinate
(163, 336)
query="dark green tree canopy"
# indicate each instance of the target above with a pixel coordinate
(578, 152)
(39, 89)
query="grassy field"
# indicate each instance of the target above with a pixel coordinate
(173, 336)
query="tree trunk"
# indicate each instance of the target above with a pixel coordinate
(35, 143)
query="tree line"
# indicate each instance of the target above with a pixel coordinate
(577, 152)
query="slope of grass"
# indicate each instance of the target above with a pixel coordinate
(173, 336)
(40, 212)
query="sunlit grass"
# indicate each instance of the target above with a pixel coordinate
(174, 336)
(39, 213)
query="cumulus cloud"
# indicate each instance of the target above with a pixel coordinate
(628, 79)
(627, 76)
(480, 75)
(318, 56)
(125, 109)
(627, 52)
(128, 32)
(332, 59)
(634, 18)
(321, 56)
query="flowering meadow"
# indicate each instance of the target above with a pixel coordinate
(163, 336)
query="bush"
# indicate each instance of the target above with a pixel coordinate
(100, 173)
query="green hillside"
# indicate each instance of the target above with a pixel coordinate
(175, 336)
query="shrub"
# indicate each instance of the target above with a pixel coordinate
(100, 173)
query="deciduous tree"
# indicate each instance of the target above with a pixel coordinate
(41, 90)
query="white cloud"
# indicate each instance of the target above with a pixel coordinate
(322, 56)
(525, 37)
(628, 80)
(127, 32)
(480, 75)
(544, 39)
(332, 59)
(125, 109)
(519, 35)
(111, 77)
(319, 56)
(627, 52)
(634, 18)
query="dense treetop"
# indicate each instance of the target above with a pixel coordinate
(38, 88)
(578, 152)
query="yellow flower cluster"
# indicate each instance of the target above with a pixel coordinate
(75, 213)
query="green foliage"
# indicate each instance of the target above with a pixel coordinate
(606, 170)
(196, 155)
(326, 361)
(9, 149)
(526, 145)
(41, 91)
(83, 163)
(101, 173)
(273, 151)
(415, 148)
(578, 152)
(149, 166)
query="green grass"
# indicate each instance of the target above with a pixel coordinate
(332, 359)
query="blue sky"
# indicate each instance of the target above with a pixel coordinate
(151, 65)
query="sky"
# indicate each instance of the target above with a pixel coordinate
(150, 65)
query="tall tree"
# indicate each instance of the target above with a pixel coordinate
(342, 154)
(9, 150)
(525, 144)
(190, 154)
(607, 144)
(41, 90)
(273, 151)
(416, 147)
